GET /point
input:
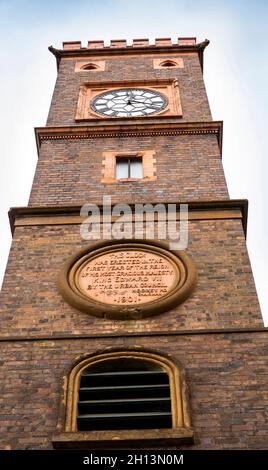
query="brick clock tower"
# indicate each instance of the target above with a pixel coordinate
(131, 342)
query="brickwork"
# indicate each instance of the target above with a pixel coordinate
(122, 43)
(216, 334)
(224, 297)
(194, 101)
(186, 167)
(227, 410)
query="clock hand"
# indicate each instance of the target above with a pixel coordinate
(149, 105)
(154, 106)
(130, 97)
(137, 101)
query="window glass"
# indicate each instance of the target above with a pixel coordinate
(121, 168)
(128, 167)
(136, 168)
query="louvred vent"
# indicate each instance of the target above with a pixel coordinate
(124, 399)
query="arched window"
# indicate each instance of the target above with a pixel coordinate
(94, 66)
(124, 394)
(176, 62)
(113, 395)
(90, 67)
(168, 63)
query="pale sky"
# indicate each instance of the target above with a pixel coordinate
(235, 72)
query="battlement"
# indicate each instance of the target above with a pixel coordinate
(138, 46)
(122, 43)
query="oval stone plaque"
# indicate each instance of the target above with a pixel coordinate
(127, 279)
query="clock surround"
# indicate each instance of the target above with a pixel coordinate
(166, 88)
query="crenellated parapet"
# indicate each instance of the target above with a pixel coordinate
(137, 46)
(122, 43)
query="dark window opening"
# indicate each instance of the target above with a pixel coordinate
(124, 394)
(90, 67)
(168, 63)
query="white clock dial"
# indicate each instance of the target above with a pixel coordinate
(129, 102)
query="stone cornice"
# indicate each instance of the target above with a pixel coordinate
(135, 127)
(160, 48)
(16, 213)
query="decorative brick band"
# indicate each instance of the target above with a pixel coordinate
(201, 331)
(137, 128)
(122, 134)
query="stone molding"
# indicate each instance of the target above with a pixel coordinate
(132, 127)
(95, 66)
(109, 166)
(90, 90)
(177, 63)
(185, 278)
(70, 214)
(67, 436)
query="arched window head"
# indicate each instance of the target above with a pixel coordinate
(90, 67)
(112, 396)
(84, 65)
(168, 63)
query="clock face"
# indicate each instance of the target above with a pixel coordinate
(129, 102)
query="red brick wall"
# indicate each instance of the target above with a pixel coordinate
(226, 372)
(187, 168)
(224, 297)
(195, 105)
(227, 408)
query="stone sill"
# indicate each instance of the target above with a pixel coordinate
(123, 439)
(129, 180)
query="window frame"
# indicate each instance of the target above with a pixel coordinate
(109, 166)
(129, 159)
(181, 432)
